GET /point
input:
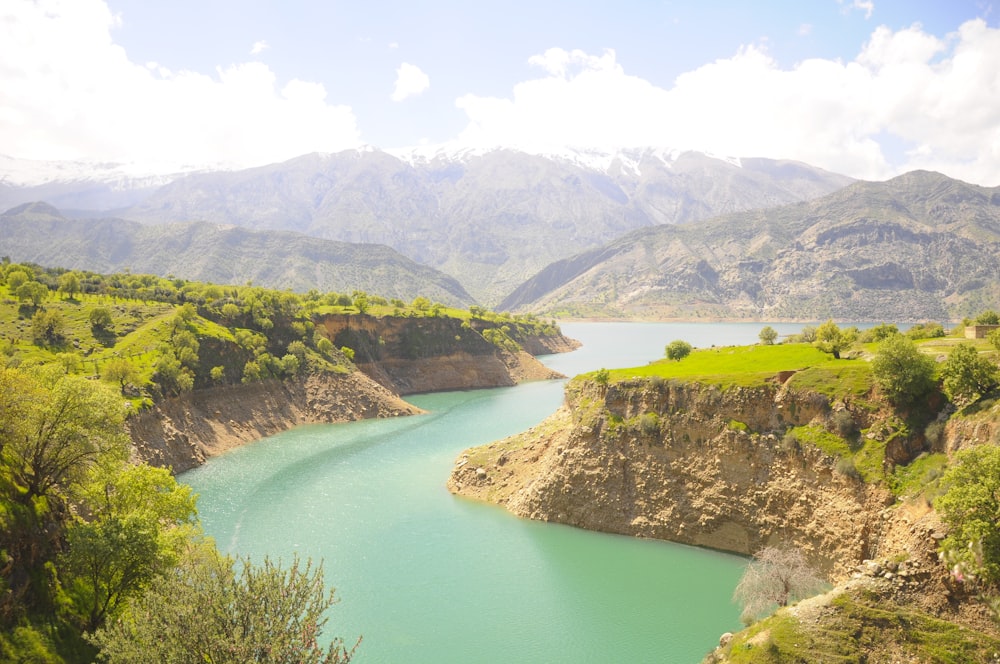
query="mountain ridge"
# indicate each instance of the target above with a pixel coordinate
(916, 247)
(222, 254)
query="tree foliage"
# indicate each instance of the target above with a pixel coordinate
(831, 339)
(216, 610)
(902, 372)
(775, 577)
(970, 506)
(767, 335)
(677, 349)
(988, 317)
(967, 375)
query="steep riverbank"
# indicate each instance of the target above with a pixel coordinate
(435, 354)
(393, 356)
(666, 460)
(182, 432)
(704, 465)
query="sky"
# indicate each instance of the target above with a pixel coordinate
(866, 88)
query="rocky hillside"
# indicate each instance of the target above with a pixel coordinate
(812, 458)
(919, 247)
(667, 460)
(220, 254)
(488, 219)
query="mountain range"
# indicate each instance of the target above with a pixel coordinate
(489, 218)
(642, 233)
(921, 246)
(221, 254)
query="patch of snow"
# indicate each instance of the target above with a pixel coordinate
(16, 172)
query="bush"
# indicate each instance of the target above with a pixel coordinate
(847, 468)
(767, 335)
(902, 372)
(775, 577)
(967, 375)
(677, 350)
(970, 508)
(844, 424)
(790, 442)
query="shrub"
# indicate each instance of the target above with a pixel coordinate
(967, 375)
(846, 467)
(970, 508)
(677, 350)
(649, 424)
(767, 335)
(844, 424)
(902, 372)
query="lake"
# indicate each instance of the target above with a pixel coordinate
(428, 577)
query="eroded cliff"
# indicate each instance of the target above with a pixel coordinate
(689, 463)
(181, 432)
(410, 355)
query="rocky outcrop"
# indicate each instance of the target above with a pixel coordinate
(688, 463)
(434, 353)
(181, 432)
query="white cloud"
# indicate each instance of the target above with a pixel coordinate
(410, 82)
(67, 91)
(940, 98)
(259, 47)
(867, 6)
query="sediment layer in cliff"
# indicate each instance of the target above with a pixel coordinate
(411, 355)
(181, 432)
(688, 463)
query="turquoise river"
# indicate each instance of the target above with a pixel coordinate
(424, 576)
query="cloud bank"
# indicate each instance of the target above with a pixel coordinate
(908, 100)
(67, 91)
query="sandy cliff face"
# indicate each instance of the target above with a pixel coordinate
(674, 461)
(430, 354)
(394, 356)
(181, 432)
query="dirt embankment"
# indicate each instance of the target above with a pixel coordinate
(394, 356)
(181, 432)
(687, 463)
(411, 355)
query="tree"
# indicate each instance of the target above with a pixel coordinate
(67, 424)
(988, 317)
(774, 578)
(831, 339)
(994, 338)
(967, 375)
(217, 610)
(902, 372)
(17, 278)
(140, 520)
(677, 349)
(32, 291)
(121, 371)
(970, 506)
(767, 335)
(53, 428)
(48, 328)
(69, 283)
(100, 319)
(879, 332)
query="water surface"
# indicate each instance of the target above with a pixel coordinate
(428, 577)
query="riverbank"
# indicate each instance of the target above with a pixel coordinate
(181, 432)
